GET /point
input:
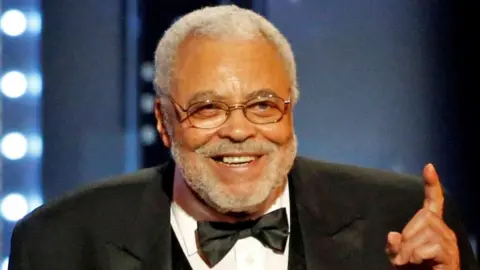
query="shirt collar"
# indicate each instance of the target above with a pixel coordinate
(188, 225)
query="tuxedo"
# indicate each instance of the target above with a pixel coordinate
(340, 218)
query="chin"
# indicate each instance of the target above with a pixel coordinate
(239, 210)
(239, 198)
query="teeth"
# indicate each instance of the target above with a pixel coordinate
(234, 160)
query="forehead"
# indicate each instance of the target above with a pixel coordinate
(232, 69)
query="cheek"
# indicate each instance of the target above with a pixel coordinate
(193, 138)
(279, 133)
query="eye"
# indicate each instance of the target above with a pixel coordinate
(264, 107)
(206, 110)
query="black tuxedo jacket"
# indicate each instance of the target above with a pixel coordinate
(344, 215)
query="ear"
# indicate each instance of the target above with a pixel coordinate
(161, 128)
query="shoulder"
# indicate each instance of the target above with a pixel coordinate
(111, 201)
(372, 191)
(353, 176)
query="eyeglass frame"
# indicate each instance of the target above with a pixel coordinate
(286, 103)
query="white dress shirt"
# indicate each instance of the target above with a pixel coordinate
(246, 254)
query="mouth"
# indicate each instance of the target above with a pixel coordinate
(237, 160)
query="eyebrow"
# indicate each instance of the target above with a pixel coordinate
(213, 95)
(205, 95)
(265, 92)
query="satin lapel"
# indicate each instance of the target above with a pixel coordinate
(296, 255)
(121, 259)
(180, 261)
(147, 243)
(332, 227)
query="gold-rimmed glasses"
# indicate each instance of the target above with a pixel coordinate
(264, 109)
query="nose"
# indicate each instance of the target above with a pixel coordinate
(237, 128)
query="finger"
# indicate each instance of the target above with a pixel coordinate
(427, 252)
(418, 222)
(438, 225)
(422, 237)
(394, 240)
(426, 218)
(433, 190)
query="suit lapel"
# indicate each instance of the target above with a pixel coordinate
(147, 243)
(331, 226)
(181, 261)
(296, 255)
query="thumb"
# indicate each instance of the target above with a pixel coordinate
(394, 241)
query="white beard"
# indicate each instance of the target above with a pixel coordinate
(200, 178)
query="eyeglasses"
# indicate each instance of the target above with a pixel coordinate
(211, 114)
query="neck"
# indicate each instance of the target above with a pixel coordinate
(197, 208)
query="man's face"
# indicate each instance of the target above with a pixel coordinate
(236, 166)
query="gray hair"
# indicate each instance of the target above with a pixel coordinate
(224, 21)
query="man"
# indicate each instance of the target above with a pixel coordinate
(235, 195)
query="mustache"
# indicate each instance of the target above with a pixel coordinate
(226, 146)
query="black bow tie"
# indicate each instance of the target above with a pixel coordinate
(217, 238)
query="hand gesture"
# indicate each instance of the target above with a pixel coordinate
(426, 240)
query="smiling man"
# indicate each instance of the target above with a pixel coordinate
(235, 195)
(232, 137)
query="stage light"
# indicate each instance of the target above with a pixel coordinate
(34, 201)
(147, 102)
(5, 264)
(147, 71)
(21, 89)
(13, 84)
(34, 22)
(35, 84)
(13, 22)
(148, 134)
(14, 146)
(35, 146)
(14, 207)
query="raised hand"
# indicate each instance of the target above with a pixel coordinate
(426, 240)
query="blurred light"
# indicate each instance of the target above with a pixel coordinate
(5, 264)
(14, 146)
(35, 84)
(147, 103)
(35, 22)
(147, 71)
(35, 145)
(35, 201)
(148, 135)
(14, 207)
(13, 84)
(13, 22)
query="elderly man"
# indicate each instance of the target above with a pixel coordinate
(235, 195)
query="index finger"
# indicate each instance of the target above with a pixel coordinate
(433, 190)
